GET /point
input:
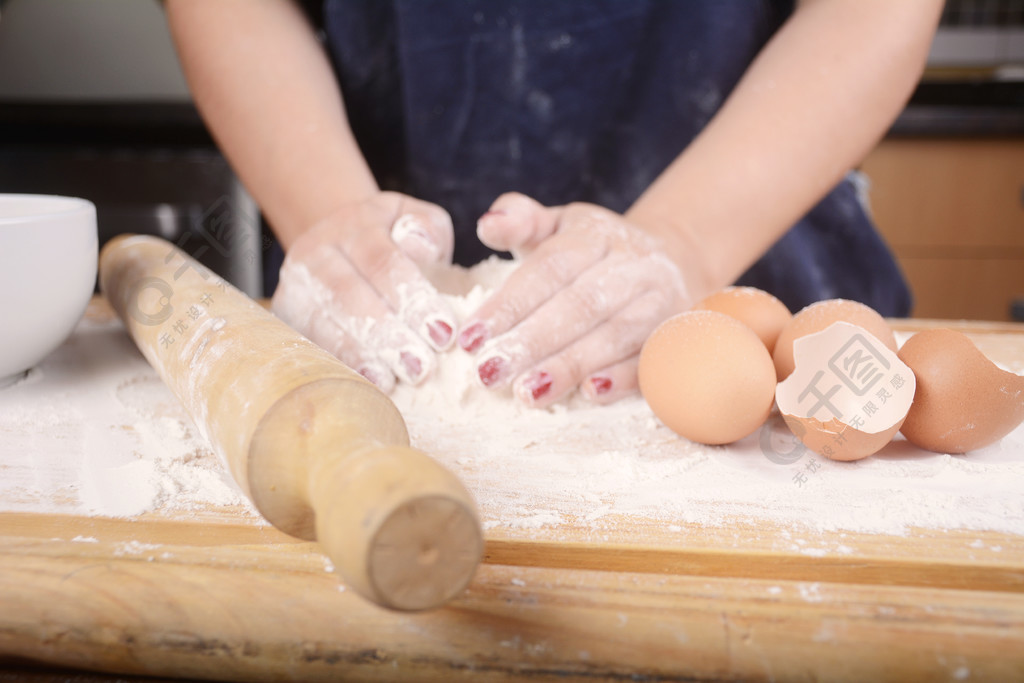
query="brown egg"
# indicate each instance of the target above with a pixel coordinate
(963, 401)
(707, 376)
(755, 308)
(817, 317)
(848, 394)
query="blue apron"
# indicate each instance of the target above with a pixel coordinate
(458, 101)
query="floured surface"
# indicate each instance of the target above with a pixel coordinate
(589, 466)
(93, 431)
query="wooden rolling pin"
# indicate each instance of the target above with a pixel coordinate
(322, 453)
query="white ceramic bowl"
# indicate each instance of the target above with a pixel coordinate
(48, 256)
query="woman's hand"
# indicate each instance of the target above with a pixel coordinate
(353, 284)
(591, 288)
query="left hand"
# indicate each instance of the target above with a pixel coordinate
(591, 288)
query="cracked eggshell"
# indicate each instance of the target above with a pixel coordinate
(964, 401)
(755, 308)
(838, 441)
(848, 394)
(816, 317)
(707, 377)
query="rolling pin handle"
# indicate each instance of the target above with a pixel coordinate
(400, 529)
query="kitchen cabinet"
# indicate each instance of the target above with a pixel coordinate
(952, 209)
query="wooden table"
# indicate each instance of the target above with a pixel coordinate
(220, 595)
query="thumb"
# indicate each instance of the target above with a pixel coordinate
(423, 232)
(516, 222)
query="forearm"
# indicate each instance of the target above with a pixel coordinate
(814, 102)
(268, 95)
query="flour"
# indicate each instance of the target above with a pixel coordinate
(176, 472)
(93, 431)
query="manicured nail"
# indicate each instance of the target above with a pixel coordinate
(492, 370)
(538, 385)
(410, 232)
(420, 247)
(440, 333)
(473, 337)
(600, 385)
(382, 379)
(413, 365)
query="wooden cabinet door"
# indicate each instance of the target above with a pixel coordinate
(953, 211)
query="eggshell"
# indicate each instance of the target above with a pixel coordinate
(963, 401)
(755, 308)
(848, 394)
(839, 441)
(707, 377)
(816, 317)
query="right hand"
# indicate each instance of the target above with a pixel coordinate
(352, 283)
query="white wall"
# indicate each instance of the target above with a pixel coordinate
(87, 50)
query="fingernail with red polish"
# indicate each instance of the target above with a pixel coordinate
(492, 370)
(538, 385)
(409, 232)
(380, 377)
(473, 337)
(370, 374)
(420, 246)
(600, 385)
(440, 333)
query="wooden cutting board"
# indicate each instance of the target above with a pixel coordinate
(216, 593)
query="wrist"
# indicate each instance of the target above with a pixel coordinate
(680, 243)
(333, 205)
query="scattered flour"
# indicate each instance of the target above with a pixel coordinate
(134, 548)
(810, 592)
(94, 431)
